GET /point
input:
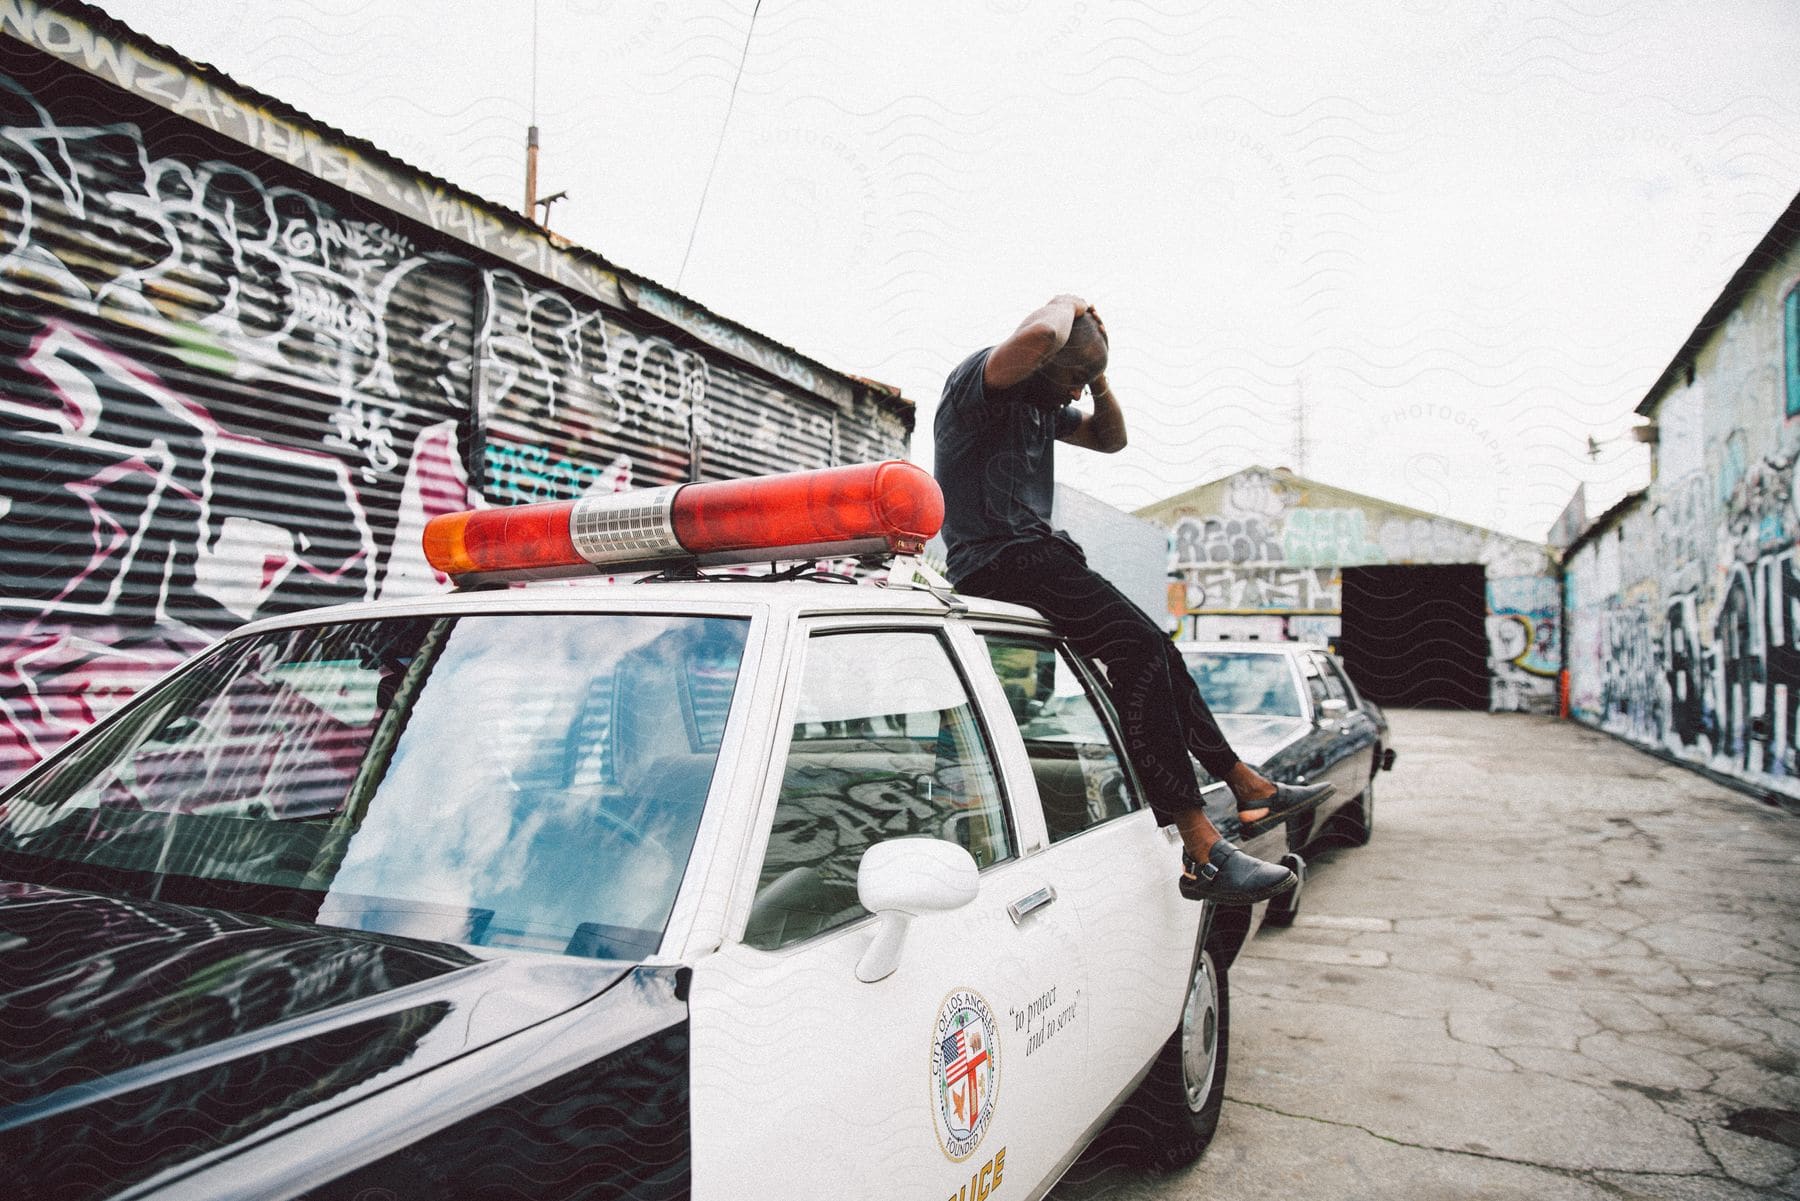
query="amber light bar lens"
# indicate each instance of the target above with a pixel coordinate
(488, 540)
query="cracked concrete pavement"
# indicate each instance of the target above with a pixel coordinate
(1561, 969)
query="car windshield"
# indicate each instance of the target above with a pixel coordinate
(1241, 682)
(526, 780)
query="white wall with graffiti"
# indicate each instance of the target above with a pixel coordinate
(1684, 605)
(230, 389)
(1261, 554)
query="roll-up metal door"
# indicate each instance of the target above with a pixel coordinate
(221, 398)
(754, 429)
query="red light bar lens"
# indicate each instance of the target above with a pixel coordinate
(890, 507)
(894, 504)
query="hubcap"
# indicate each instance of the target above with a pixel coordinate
(1200, 1034)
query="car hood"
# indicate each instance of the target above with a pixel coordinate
(122, 1018)
(1258, 738)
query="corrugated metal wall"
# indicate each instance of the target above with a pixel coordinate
(227, 391)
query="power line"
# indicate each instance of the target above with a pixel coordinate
(723, 125)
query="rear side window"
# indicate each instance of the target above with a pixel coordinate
(1335, 678)
(1315, 681)
(1080, 779)
(885, 745)
(1328, 676)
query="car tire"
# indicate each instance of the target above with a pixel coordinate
(1175, 1112)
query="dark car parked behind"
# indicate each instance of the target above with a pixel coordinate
(1290, 709)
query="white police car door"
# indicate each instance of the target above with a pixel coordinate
(1115, 868)
(960, 1074)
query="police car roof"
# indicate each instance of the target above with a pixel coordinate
(780, 599)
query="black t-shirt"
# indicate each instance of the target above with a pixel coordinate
(996, 464)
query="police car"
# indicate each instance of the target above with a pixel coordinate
(732, 888)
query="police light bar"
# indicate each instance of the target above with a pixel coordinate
(870, 508)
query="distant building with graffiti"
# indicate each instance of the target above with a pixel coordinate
(1424, 609)
(244, 357)
(1683, 600)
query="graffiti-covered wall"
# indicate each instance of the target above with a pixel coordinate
(1261, 554)
(1685, 608)
(229, 388)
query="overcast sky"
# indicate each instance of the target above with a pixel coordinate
(1422, 249)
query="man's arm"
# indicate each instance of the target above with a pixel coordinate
(1036, 340)
(1103, 429)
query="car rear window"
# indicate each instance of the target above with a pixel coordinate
(520, 780)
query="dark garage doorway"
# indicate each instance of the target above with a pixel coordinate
(1417, 636)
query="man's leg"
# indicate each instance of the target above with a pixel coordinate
(1147, 679)
(1204, 738)
(1103, 624)
(1208, 744)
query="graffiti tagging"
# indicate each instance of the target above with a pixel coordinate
(1329, 538)
(1711, 670)
(1760, 513)
(1267, 588)
(144, 530)
(557, 380)
(1267, 552)
(1247, 529)
(1236, 540)
(1692, 709)
(1524, 650)
(227, 390)
(142, 493)
(1630, 701)
(331, 302)
(1757, 641)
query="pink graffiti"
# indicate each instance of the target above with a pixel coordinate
(436, 483)
(157, 564)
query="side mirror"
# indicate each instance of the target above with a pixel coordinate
(1332, 707)
(899, 879)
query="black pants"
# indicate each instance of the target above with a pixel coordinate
(1158, 703)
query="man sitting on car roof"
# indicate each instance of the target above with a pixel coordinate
(1002, 412)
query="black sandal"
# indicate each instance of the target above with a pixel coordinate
(1289, 799)
(1231, 877)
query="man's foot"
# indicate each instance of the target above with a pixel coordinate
(1288, 800)
(1230, 877)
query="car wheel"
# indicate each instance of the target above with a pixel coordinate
(1175, 1111)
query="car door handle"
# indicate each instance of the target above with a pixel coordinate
(1036, 899)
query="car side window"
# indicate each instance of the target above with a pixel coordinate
(1080, 779)
(1334, 686)
(1336, 679)
(885, 745)
(1315, 681)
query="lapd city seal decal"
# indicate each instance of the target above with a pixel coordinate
(965, 1072)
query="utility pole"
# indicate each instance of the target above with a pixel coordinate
(1300, 424)
(531, 133)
